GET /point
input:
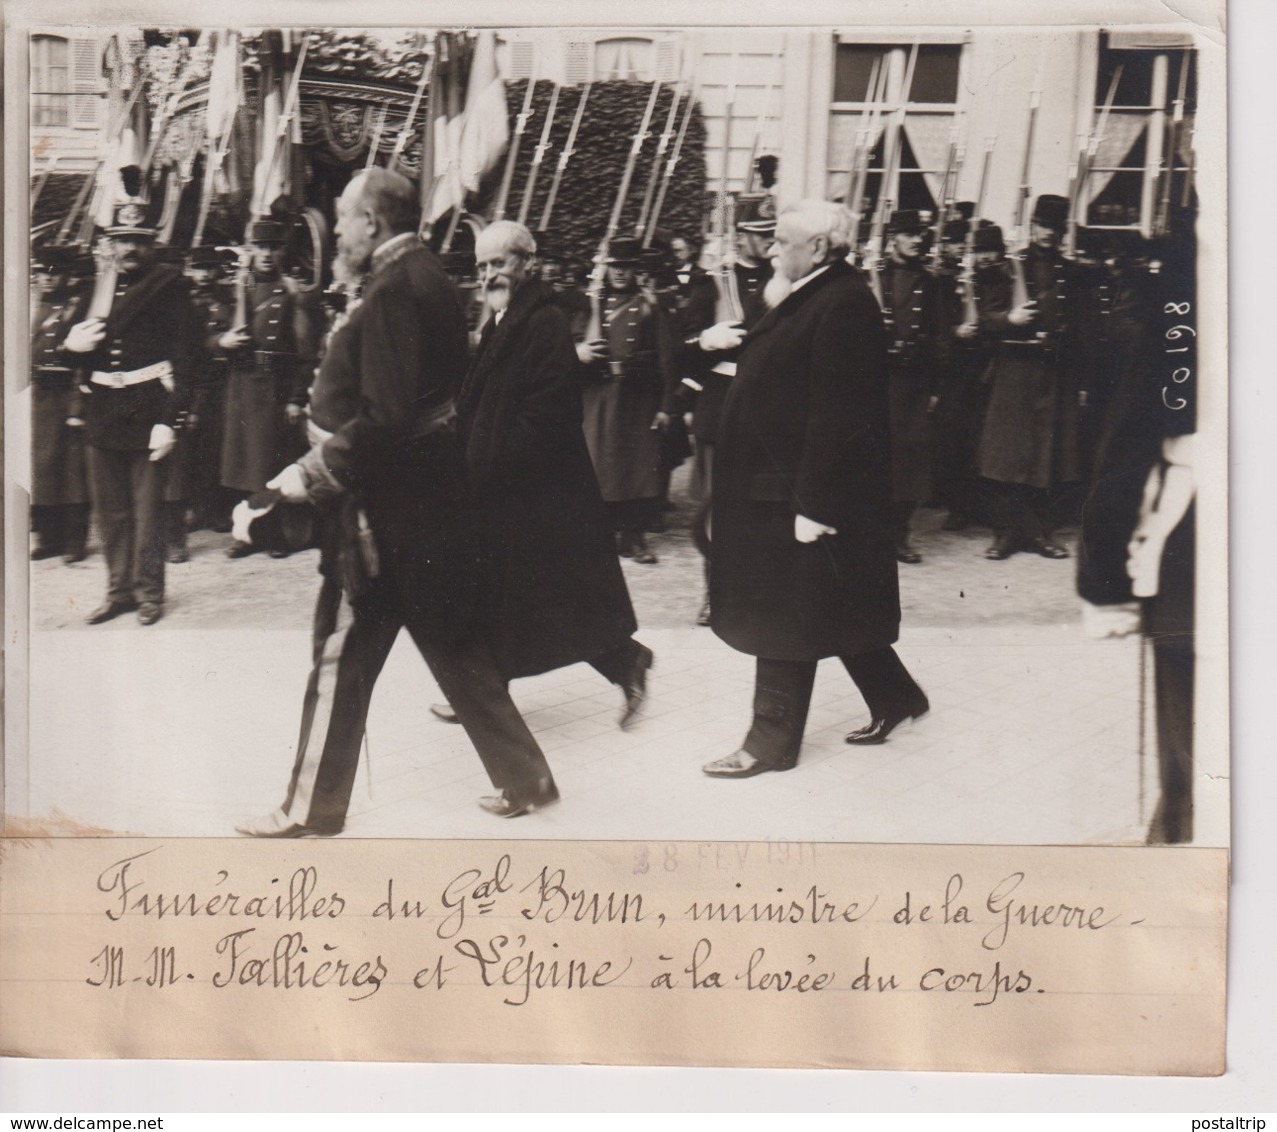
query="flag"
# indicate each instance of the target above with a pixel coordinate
(486, 131)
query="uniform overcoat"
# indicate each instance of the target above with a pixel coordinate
(58, 473)
(805, 430)
(555, 593)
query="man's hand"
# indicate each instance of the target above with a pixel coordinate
(75, 422)
(808, 530)
(291, 484)
(966, 330)
(85, 337)
(294, 413)
(162, 440)
(1022, 316)
(588, 352)
(932, 402)
(233, 339)
(722, 336)
(660, 422)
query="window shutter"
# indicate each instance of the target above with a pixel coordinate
(86, 80)
(578, 61)
(666, 61)
(520, 59)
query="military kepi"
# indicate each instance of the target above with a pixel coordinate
(266, 232)
(1051, 211)
(130, 220)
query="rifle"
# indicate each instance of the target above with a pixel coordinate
(944, 200)
(885, 204)
(662, 145)
(970, 312)
(401, 139)
(176, 186)
(538, 155)
(1020, 288)
(43, 179)
(595, 292)
(865, 132)
(728, 307)
(376, 139)
(167, 109)
(113, 131)
(106, 274)
(1162, 221)
(512, 154)
(1085, 159)
(668, 175)
(564, 157)
(217, 150)
(763, 115)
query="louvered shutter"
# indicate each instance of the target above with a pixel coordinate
(86, 72)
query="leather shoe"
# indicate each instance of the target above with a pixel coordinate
(277, 552)
(1003, 547)
(505, 805)
(739, 765)
(279, 824)
(635, 686)
(71, 557)
(239, 550)
(444, 712)
(1048, 549)
(42, 552)
(906, 553)
(109, 610)
(178, 555)
(877, 729)
(641, 554)
(702, 618)
(149, 612)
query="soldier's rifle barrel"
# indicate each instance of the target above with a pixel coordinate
(280, 140)
(569, 148)
(401, 139)
(667, 176)
(538, 155)
(662, 145)
(512, 154)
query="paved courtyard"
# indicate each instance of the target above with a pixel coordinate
(1034, 734)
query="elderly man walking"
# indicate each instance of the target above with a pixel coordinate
(555, 593)
(386, 466)
(804, 555)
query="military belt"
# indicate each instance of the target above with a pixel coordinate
(159, 371)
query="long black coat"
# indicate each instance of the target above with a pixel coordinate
(805, 431)
(555, 594)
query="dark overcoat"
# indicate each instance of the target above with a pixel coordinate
(554, 592)
(58, 473)
(385, 390)
(1031, 424)
(805, 431)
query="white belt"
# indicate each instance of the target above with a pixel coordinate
(726, 369)
(160, 371)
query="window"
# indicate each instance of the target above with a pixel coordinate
(903, 137)
(1141, 168)
(625, 59)
(50, 81)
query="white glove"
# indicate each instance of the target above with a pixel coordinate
(161, 443)
(808, 530)
(291, 484)
(722, 336)
(85, 337)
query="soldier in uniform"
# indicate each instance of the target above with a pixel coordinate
(628, 399)
(59, 485)
(216, 306)
(1029, 443)
(270, 368)
(138, 370)
(918, 353)
(711, 349)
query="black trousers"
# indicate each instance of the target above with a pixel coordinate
(1020, 511)
(127, 489)
(782, 697)
(351, 643)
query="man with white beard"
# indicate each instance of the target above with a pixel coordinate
(803, 562)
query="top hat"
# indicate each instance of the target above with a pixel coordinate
(624, 252)
(130, 220)
(1051, 211)
(266, 232)
(988, 238)
(756, 215)
(54, 258)
(913, 220)
(654, 261)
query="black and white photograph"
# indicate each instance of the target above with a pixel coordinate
(633, 372)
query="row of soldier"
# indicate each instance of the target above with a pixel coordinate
(997, 406)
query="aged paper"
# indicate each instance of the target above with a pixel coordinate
(1107, 959)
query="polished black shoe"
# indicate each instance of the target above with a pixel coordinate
(877, 730)
(702, 618)
(239, 550)
(279, 824)
(42, 552)
(741, 764)
(444, 712)
(635, 686)
(506, 805)
(906, 554)
(77, 554)
(277, 552)
(109, 610)
(641, 554)
(178, 555)
(1002, 547)
(149, 612)
(1047, 549)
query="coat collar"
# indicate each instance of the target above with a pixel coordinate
(839, 269)
(497, 336)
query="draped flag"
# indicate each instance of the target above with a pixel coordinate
(486, 131)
